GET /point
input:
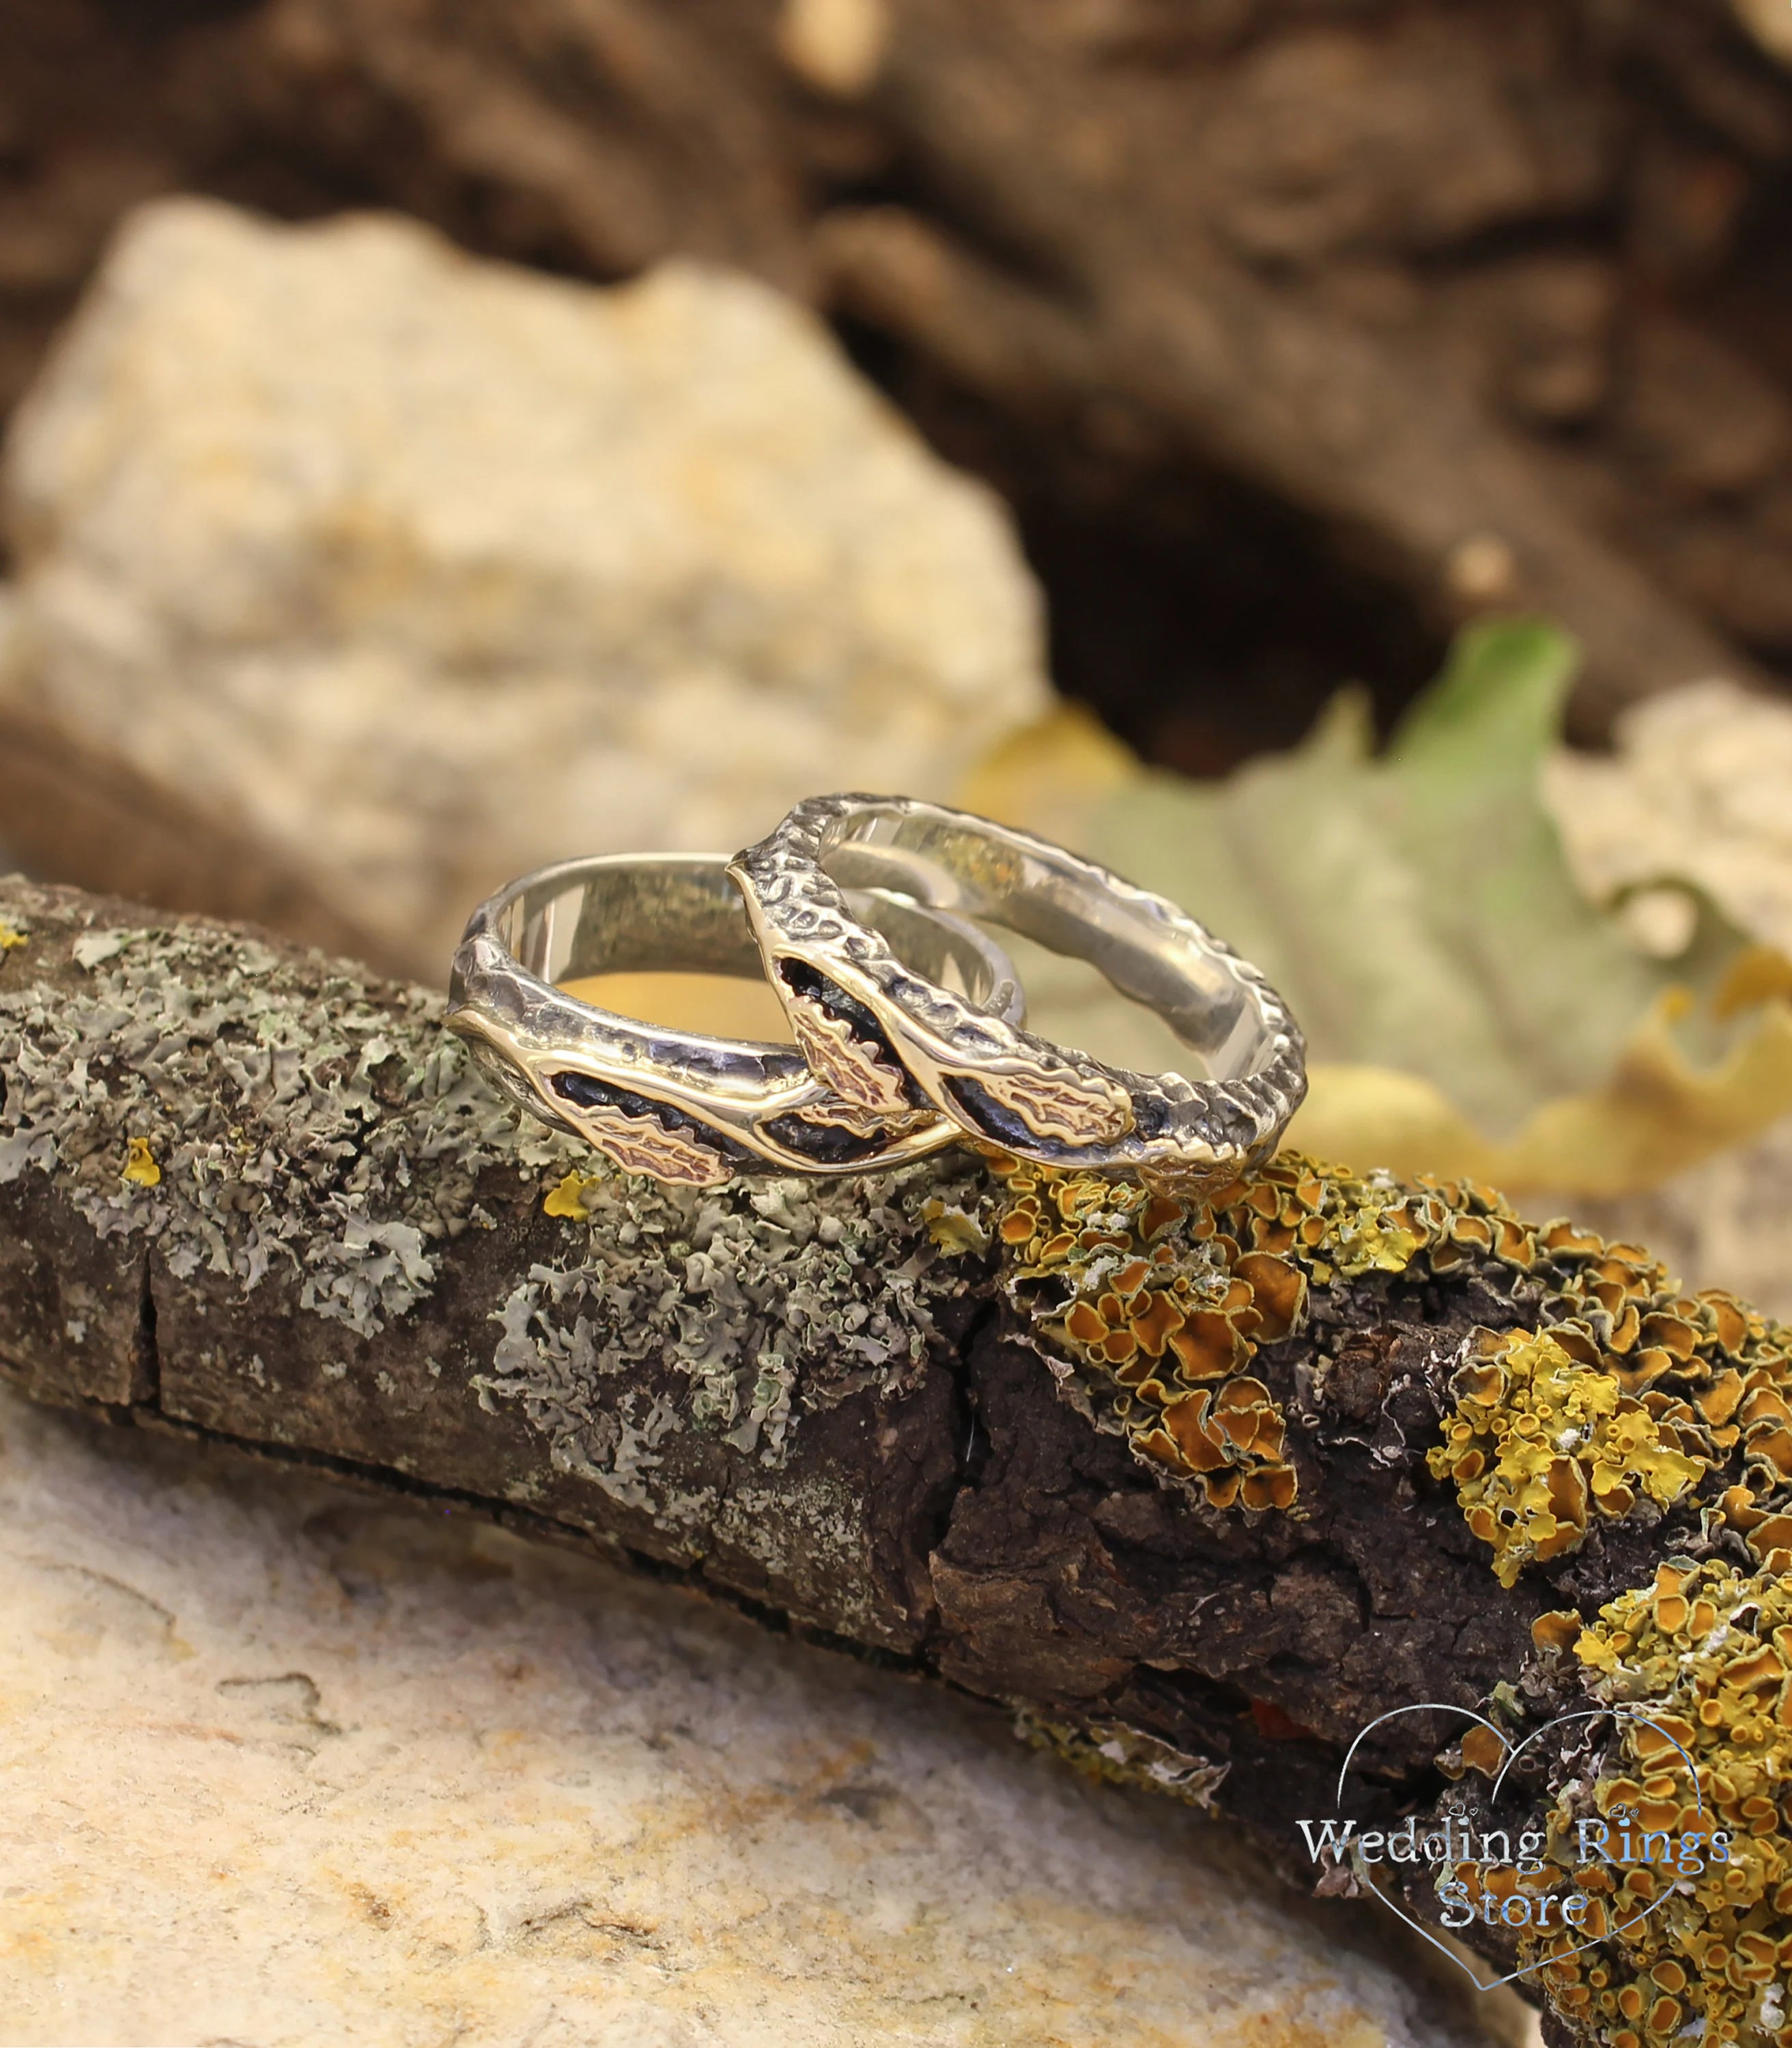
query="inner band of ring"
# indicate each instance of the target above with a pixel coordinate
(676, 1104)
(1005, 1084)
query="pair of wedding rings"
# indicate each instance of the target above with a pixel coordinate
(908, 1018)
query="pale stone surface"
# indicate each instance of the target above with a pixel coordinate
(417, 571)
(836, 46)
(1770, 22)
(280, 1764)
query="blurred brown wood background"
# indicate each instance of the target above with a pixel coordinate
(1294, 331)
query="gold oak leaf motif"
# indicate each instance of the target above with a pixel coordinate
(840, 1115)
(643, 1145)
(853, 1070)
(1082, 1112)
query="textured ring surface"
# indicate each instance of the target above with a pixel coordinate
(848, 990)
(675, 1104)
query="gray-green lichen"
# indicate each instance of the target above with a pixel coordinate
(767, 1298)
(276, 1118)
(250, 1112)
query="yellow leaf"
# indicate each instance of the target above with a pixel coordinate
(1052, 774)
(1653, 1116)
(1756, 974)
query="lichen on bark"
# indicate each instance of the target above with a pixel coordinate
(286, 1112)
(767, 1299)
(913, 1412)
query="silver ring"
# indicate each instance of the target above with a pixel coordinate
(671, 1103)
(1002, 1083)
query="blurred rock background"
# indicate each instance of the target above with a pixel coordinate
(1413, 305)
(443, 439)
(394, 574)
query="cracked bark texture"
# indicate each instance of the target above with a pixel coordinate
(249, 1194)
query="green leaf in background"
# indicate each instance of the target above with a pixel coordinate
(1415, 908)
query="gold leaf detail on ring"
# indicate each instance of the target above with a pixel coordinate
(1081, 1112)
(1189, 1181)
(838, 1113)
(643, 1145)
(851, 1069)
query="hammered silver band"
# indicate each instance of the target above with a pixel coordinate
(854, 998)
(675, 1104)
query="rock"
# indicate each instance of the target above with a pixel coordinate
(1768, 24)
(386, 574)
(835, 47)
(284, 1764)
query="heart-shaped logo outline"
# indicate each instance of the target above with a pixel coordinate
(1513, 1752)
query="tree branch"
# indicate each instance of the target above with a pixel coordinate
(1167, 1483)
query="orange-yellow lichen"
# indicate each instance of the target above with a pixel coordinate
(1538, 1440)
(1627, 1395)
(1630, 1396)
(1163, 1304)
(1557, 1630)
(139, 1166)
(1697, 1378)
(1705, 1652)
(567, 1197)
(1631, 1389)
(1158, 1307)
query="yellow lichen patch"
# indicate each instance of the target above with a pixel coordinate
(1557, 1630)
(567, 1197)
(1538, 1441)
(1705, 1653)
(1160, 1307)
(10, 938)
(1632, 1391)
(1628, 1395)
(953, 1229)
(140, 1165)
(1162, 1304)
(1484, 1751)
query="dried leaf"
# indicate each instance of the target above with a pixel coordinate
(1698, 785)
(1468, 1010)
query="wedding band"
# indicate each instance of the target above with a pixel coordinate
(851, 990)
(673, 1104)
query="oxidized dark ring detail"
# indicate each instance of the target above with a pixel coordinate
(1001, 1082)
(675, 1104)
